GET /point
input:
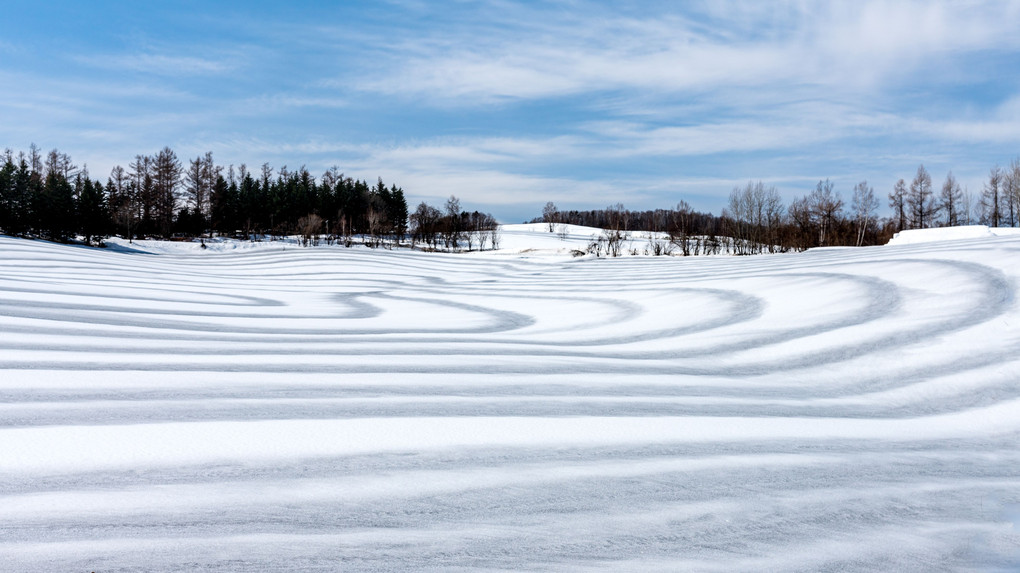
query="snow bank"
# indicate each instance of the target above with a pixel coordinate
(915, 236)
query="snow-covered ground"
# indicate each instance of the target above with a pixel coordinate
(253, 407)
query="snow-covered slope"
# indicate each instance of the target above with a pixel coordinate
(271, 408)
(536, 239)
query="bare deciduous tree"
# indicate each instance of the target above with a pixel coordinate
(495, 236)
(755, 212)
(310, 226)
(991, 198)
(166, 176)
(122, 200)
(618, 217)
(799, 214)
(967, 207)
(199, 181)
(921, 200)
(864, 206)
(951, 200)
(424, 225)
(825, 206)
(453, 232)
(550, 215)
(680, 226)
(331, 177)
(614, 239)
(375, 217)
(1012, 192)
(898, 203)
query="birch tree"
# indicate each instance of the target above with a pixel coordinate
(864, 206)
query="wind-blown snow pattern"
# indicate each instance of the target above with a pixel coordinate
(330, 409)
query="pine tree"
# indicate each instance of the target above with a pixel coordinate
(21, 199)
(398, 212)
(223, 205)
(93, 211)
(57, 215)
(8, 206)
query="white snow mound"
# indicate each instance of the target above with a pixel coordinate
(915, 236)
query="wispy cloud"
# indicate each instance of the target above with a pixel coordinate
(160, 64)
(836, 45)
(288, 101)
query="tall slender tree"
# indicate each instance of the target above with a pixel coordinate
(951, 201)
(141, 175)
(166, 178)
(122, 201)
(57, 212)
(898, 203)
(991, 198)
(1012, 192)
(864, 206)
(921, 200)
(199, 180)
(93, 210)
(8, 206)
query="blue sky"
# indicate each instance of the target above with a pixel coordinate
(511, 104)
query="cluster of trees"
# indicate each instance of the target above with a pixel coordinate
(158, 196)
(754, 222)
(50, 197)
(918, 207)
(680, 230)
(295, 202)
(755, 219)
(452, 228)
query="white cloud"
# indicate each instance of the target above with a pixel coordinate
(159, 64)
(284, 102)
(488, 188)
(737, 45)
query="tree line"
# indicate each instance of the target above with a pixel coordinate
(160, 196)
(997, 204)
(755, 219)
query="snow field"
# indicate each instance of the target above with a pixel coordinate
(250, 408)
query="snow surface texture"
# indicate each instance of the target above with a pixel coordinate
(348, 409)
